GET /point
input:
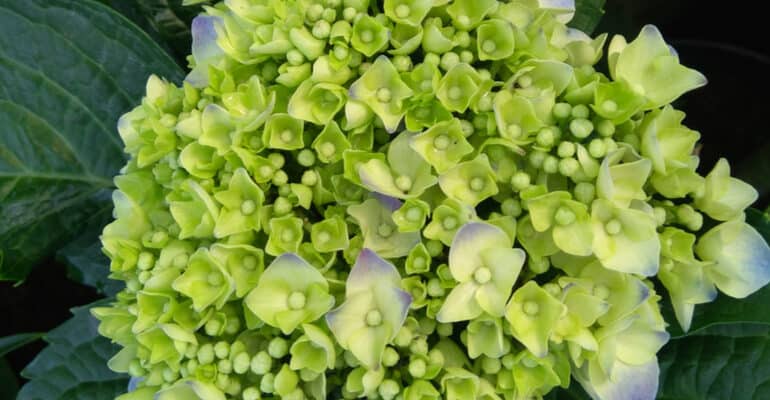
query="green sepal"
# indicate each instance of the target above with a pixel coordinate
(436, 39)
(317, 102)
(459, 384)
(467, 14)
(353, 160)
(418, 261)
(329, 235)
(200, 161)
(405, 39)
(241, 204)
(194, 211)
(533, 314)
(382, 89)
(653, 71)
(724, 197)
(190, 390)
(374, 217)
(665, 141)
(331, 143)
(568, 220)
(416, 288)
(205, 281)
(411, 216)
(285, 235)
(447, 218)
(469, 182)
(485, 336)
(306, 43)
(515, 117)
(621, 183)
(616, 101)
(369, 36)
(443, 145)
(495, 40)
(625, 239)
(405, 175)
(459, 87)
(421, 390)
(290, 292)
(244, 263)
(216, 128)
(314, 350)
(409, 12)
(283, 132)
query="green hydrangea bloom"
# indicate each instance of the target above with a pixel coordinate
(451, 198)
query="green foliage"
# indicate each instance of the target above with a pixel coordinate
(61, 93)
(13, 342)
(74, 365)
(588, 13)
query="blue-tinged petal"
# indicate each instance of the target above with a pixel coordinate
(205, 50)
(370, 271)
(376, 176)
(564, 10)
(628, 382)
(394, 304)
(741, 258)
(348, 318)
(290, 269)
(470, 241)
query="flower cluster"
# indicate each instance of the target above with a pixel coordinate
(414, 199)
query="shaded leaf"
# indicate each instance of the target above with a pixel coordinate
(74, 365)
(13, 342)
(61, 93)
(86, 262)
(588, 13)
(9, 385)
(715, 367)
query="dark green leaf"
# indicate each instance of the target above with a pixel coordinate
(74, 365)
(588, 13)
(68, 70)
(760, 221)
(13, 342)
(85, 260)
(167, 21)
(715, 367)
(9, 385)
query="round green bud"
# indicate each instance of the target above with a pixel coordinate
(295, 57)
(562, 110)
(146, 260)
(613, 227)
(546, 137)
(309, 178)
(213, 327)
(581, 127)
(466, 56)
(373, 318)
(206, 354)
(251, 393)
(280, 178)
(267, 383)
(632, 140)
(564, 216)
(434, 288)
(296, 300)
(313, 13)
(349, 14)
(462, 39)
(566, 149)
(536, 158)
(432, 58)
(551, 164)
(449, 60)
(241, 363)
(329, 15)
(530, 308)
(511, 207)
(444, 330)
(390, 357)
(580, 111)
(585, 192)
(605, 128)
(482, 275)
(467, 127)
(222, 349)
(417, 367)
(538, 265)
(403, 183)
(508, 361)
(261, 363)
(568, 166)
(610, 144)
(282, 206)
(388, 389)
(225, 366)
(520, 180)
(597, 148)
(403, 337)
(306, 158)
(491, 365)
(402, 63)
(321, 29)
(278, 347)
(419, 346)
(435, 248)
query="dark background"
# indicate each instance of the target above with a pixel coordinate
(728, 42)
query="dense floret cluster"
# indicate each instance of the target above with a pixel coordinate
(414, 199)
